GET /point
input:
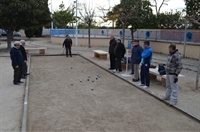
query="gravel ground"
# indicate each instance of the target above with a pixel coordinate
(113, 105)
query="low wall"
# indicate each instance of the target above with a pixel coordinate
(192, 51)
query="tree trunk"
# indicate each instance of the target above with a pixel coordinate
(9, 38)
(89, 44)
(132, 33)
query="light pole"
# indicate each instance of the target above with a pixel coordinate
(76, 22)
(51, 16)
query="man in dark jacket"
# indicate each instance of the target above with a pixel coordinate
(146, 62)
(136, 58)
(68, 44)
(119, 52)
(173, 69)
(17, 62)
(23, 51)
(112, 45)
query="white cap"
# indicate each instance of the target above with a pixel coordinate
(16, 43)
(22, 41)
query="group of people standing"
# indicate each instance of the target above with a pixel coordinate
(143, 56)
(117, 51)
(19, 58)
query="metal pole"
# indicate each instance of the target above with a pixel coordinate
(76, 23)
(51, 17)
(198, 72)
(185, 34)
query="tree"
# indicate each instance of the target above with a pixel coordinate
(158, 9)
(88, 18)
(21, 14)
(63, 16)
(193, 12)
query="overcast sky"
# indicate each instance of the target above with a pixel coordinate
(172, 4)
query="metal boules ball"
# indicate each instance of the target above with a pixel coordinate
(92, 89)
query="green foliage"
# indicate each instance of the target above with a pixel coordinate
(22, 14)
(63, 16)
(193, 12)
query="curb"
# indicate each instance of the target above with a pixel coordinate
(25, 109)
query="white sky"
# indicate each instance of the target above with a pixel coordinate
(172, 4)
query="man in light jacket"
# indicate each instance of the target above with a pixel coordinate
(173, 69)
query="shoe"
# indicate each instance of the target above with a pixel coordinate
(140, 84)
(145, 87)
(21, 82)
(16, 84)
(27, 74)
(23, 77)
(131, 73)
(165, 98)
(111, 69)
(114, 71)
(173, 103)
(135, 80)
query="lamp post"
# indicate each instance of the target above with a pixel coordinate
(76, 22)
(51, 14)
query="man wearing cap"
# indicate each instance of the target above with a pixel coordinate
(146, 62)
(68, 44)
(17, 62)
(136, 58)
(23, 51)
(119, 52)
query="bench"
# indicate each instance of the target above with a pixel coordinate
(100, 54)
(41, 50)
(154, 73)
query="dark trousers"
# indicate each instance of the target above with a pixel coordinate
(68, 51)
(112, 61)
(24, 69)
(118, 64)
(17, 74)
(132, 68)
(144, 74)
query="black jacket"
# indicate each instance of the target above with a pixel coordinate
(16, 57)
(23, 51)
(67, 43)
(119, 50)
(112, 45)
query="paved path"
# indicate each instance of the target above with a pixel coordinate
(11, 98)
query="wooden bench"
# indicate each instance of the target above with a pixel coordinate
(100, 54)
(41, 49)
(154, 73)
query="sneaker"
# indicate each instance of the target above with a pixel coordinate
(140, 84)
(145, 87)
(165, 98)
(173, 103)
(114, 71)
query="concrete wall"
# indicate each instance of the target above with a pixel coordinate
(192, 51)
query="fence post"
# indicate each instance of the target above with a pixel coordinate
(198, 72)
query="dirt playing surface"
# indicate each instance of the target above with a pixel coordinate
(62, 99)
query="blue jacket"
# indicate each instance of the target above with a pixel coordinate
(136, 56)
(147, 55)
(16, 57)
